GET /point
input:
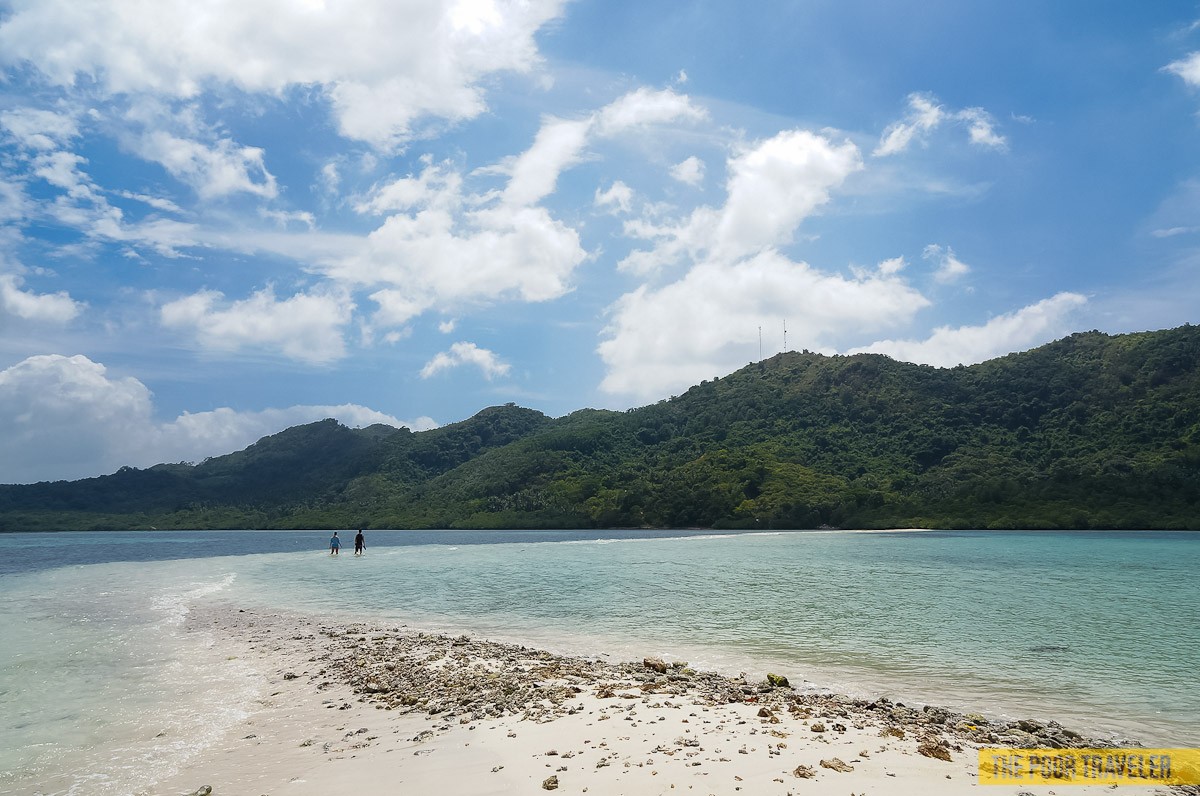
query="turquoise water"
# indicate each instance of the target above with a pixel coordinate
(102, 683)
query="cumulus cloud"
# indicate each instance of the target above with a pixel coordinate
(67, 417)
(643, 108)
(772, 187)
(215, 170)
(535, 172)
(1187, 68)
(384, 68)
(308, 327)
(79, 203)
(560, 143)
(441, 244)
(56, 308)
(926, 114)
(981, 128)
(463, 353)
(966, 345)
(689, 171)
(446, 250)
(947, 267)
(619, 196)
(36, 128)
(706, 324)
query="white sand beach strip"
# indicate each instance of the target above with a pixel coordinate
(365, 710)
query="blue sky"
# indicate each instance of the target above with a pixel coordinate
(221, 219)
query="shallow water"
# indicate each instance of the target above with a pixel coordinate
(101, 682)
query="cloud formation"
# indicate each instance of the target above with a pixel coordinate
(772, 186)
(67, 417)
(214, 171)
(689, 171)
(56, 308)
(1187, 68)
(926, 114)
(464, 353)
(384, 70)
(707, 323)
(307, 326)
(947, 267)
(966, 345)
(442, 245)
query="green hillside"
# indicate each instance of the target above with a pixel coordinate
(1089, 431)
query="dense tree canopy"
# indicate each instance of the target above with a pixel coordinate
(1090, 431)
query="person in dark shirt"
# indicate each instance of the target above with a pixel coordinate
(360, 544)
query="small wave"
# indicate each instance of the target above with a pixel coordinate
(177, 604)
(643, 539)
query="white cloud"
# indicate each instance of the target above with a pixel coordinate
(14, 204)
(464, 353)
(445, 252)
(66, 417)
(82, 205)
(981, 127)
(966, 345)
(947, 267)
(157, 202)
(447, 326)
(285, 218)
(396, 307)
(925, 115)
(707, 323)
(385, 68)
(560, 143)
(619, 197)
(35, 128)
(772, 187)
(1171, 232)
(57, 308)
(306, 327)
(689, 171)
(441, 245)
(1187, 68)
(645, 107)
(892, 266)
(213, 171)
(777, 184)
(534, 173)
(60, 417)
(61, 169)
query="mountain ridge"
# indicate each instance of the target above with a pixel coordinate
(1092, 430)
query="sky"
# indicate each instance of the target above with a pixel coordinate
(222, 218)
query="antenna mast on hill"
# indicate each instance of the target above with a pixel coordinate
(785, 334)
(760, 344)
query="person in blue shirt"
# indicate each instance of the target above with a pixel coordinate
(335, 544)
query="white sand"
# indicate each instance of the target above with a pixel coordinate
(304, 738)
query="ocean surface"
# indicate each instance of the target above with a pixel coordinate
(102, 690)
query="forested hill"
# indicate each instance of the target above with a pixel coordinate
(1089, 431)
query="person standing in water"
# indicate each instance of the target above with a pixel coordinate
(335, 544)
(360, 544)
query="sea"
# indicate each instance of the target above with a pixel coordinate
(102, 690)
